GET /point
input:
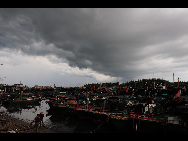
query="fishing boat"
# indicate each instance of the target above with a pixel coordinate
(122, 123)
(100, 117)
(177, 122)
(20, 100)
(149, 125)
(90, 113)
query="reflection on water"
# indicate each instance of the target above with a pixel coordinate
(28, 112)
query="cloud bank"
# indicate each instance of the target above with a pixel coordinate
(104, 44)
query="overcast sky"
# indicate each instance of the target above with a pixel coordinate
(72, 47)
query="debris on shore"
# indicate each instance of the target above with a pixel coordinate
(9, 124)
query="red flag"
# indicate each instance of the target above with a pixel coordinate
(91, 90)
(127, 90)
(177, 95)
(106, 89)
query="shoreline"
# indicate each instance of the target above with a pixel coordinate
(10, 124)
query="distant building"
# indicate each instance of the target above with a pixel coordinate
(10, 88)
(19, 85)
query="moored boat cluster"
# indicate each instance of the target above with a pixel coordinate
(131, 108)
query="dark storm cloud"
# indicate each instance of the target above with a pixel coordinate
(116, 42)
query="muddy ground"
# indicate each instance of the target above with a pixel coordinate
(12, 125)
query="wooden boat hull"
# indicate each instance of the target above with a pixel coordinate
(149, 126)
(24, 101)
(175, 129)
(20, 101)
(122, 124)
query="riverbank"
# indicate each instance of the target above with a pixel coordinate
(9, 124)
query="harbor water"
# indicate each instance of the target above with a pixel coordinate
(28, 113)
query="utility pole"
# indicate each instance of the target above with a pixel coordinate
(2, 64)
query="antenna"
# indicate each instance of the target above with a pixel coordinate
(173, 77)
